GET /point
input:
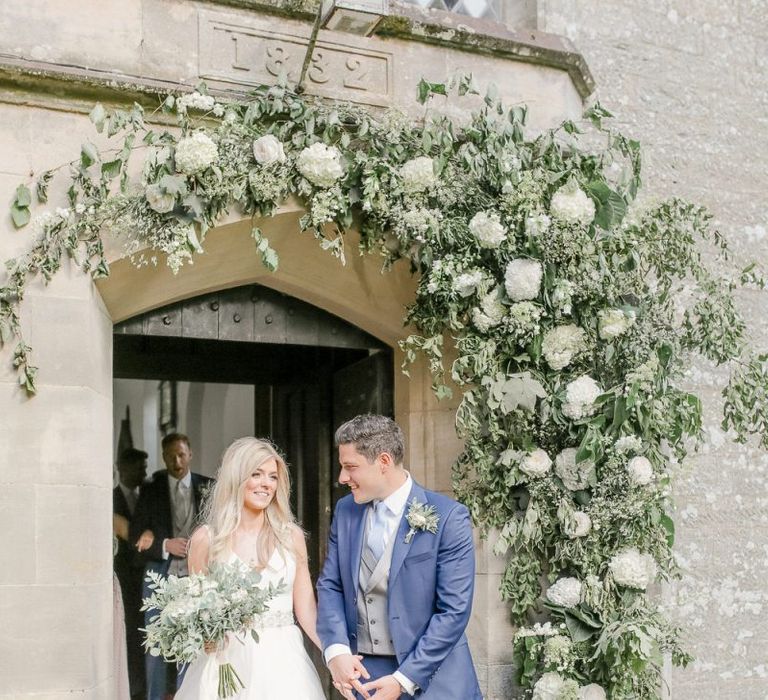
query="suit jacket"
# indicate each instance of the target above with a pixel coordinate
(431, 582)
(126, 560)
(153, 511)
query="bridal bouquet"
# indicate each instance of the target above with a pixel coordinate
(202, 609)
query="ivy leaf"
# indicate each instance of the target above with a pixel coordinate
(669, 525)
(41, 189)
(426, 89)
(20, 213)
(88, 155)
(611, 205)
(111, 169)
(97, 116)
(518, 390)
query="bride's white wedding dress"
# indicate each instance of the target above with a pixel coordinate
(276, 667)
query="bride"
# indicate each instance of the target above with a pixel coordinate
(248, 517)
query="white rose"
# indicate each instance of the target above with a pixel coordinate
(522, 279)
(580, 397)
(640, 470)
(195, 153)
(632, 569)
(561, 344)
(548, 687)
(267, 149)
(490, 313)
(580, 526)
(593, 691)
(320, 164)
(575, 476)
(613, 322)
(487, 229)
(161, 202)
(571, 206)
(536, 463)
(467, 283)
(418, 174)
(565, 592)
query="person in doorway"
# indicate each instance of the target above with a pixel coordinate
(128, 567)
(166, 514)
(249, 520)
(395, 593)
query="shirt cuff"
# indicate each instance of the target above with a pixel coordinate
(407, 683)
(335, 650)
(165, 551)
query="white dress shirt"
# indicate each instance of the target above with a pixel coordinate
(186, 480)
(395, 505)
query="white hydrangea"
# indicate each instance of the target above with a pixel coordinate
(561, 296)
(578, 526)
(161, 202)
(195, 153)
(467, 283)
(536, 463)
(632, 569)
(580, 397)
(575, 476)
(613, 322)
(570, 205)
(561, 344)
(487, 229)
(537, 224)
(421, 220)
(628, 443)
(593, 691)
(640, 470)
(565, 592)
(268, 149)
(320, 164)
(548, 687)
(490, 313)
(195, 100)
(418, 174)
(522, 279)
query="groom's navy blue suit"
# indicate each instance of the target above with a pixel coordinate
(431, 581)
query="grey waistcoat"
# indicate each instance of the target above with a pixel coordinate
(373, 635)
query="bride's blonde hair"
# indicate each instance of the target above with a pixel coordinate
(223, 509)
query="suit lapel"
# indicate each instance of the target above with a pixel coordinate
(356, 530)
(400, 550)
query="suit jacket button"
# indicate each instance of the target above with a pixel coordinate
(370, 600)
(353, 636)
(375, 641)
(373, 622)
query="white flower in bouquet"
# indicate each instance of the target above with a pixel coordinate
(536, 463)
(562, 296)
(574, 475)
(161, 202)
(578, 525)
(490, 313)
(557, 649)
(633, 569)
(195, 153)
(267, 149)
(565, 592)
(580, 397)
(537, 224)
(613, 322)
(320, 164)
(537, 630)
(522, 279)
(640, 470)
(561, 344)
(418, 174)
(552, 686)
(593, 691)
(570, 205)
(195, 100)
(628, 443)
(421, 220)
(467, 283)
(523, 319)
(487, 229)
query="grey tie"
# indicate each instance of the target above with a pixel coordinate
(377, 534)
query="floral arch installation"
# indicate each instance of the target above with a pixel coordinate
(571, 312)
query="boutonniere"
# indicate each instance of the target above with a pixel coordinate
(420, 516)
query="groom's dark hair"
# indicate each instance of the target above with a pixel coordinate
(371, 435)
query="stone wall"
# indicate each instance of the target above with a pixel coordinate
(688, 80)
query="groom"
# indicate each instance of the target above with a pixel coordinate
(395, 593)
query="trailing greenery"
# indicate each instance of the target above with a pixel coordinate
(572, 316)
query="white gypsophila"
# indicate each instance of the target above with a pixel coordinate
(580, 397)
(268, 149)
(467, 283)
(487, 229)
(537, 630)
(628, 443)
(522, 279)
(195, 100)
(640, 470)
(570, 205)
(490, 313)
(561, 344)
(161, 202)
(613, 322)
(195, 153)
(633, 569)
(320, 164)
(565, 592)
(593, 691)
(421, 220)
(418, 174)
(578, 526)
(537, 224)
(562, 296)
(63, 213)
(548, 687)
(557, 651)
(536, 463)
(574, 475)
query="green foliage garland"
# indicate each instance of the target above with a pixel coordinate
(571, 314)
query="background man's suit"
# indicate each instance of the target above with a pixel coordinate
(430, 587)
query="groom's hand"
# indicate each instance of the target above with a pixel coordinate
(384, 688)
(346, 670)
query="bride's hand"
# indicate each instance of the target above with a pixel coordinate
(213, 647)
